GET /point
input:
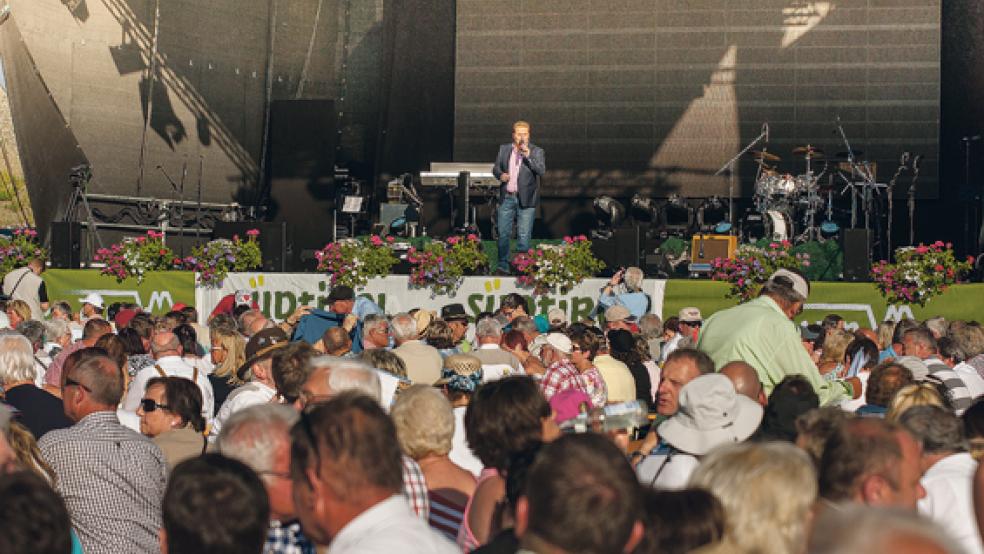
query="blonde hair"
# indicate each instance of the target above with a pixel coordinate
(20, 308)
(28, 454)
(235, 355)
(522, 123)
(424, 422)
(767, 490)
(835, 345)
(922, 394)
(885, 331)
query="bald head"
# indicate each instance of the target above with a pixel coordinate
(165, 343)
(745, 379)
(336, 341)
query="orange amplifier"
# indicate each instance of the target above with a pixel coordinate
(705, 248)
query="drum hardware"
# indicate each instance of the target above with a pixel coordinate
(912, 198)
(733, 176)
(903, 162)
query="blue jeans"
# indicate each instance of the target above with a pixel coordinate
(509, 210)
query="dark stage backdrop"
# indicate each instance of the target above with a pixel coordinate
(655, 95)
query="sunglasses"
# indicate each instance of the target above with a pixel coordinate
(151, 405)
(69, 382)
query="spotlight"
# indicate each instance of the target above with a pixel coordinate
(677, 214)
(610, 214)
(713, 215)
(644, 209)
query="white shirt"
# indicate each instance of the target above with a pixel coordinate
(674, 476)
(388, 527)
(388, 383)
(461, 454)
(970, 378)
(203, 364)
(852, 404)
(250, 394)
(173, 366)
(671, 345)
(949, 500)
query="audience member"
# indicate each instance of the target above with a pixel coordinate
(622, 346)
(496, 362)
(375, 332)
(745, 379)
(885, 381)
(919, 343)
(461, 376)
(423, 361)
(711, 414)
(862, 530)
(228, 352)
(792, 397)
(214, 504)
(922, 394)
(34, 516)
(171, 415)
(768, 491)
(112, 479)
(815, 427)
(584, 348)
(949, 473)
(39, 410)
(681, 521)
(572, 482)
(258, 368)
(761, 332)
(625, 289)
(681, 367)
(90, 334)
(259, 436)
(167, 351)
(291, 366)
(424, 427)
(561, 373)
(454, 314)
(346, 469)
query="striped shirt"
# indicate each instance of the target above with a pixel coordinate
(445, 514)
(960, 396)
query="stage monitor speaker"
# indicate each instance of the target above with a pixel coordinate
(857, 261)
(620, 250)
(273, 240)
(66, 245)
(704, 249)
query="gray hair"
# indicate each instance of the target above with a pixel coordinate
(488, 327)
(851, 529)
(404, 327)
(370, 322)
(524, 324)
(347, 374)
(633, 279)
(33, 330)
(936, 325)
(938, 430)
(650, 326)
(57, 328)
(253, 435)
(16, 358)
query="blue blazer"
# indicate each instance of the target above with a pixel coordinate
(530, 170)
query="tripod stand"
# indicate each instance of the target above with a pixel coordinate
(79, 179)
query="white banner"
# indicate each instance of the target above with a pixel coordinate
(279, 294)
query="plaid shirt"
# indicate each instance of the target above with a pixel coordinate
(415, 488)
(112, 480)
(287, 539)
(562, 375)
(595, 386)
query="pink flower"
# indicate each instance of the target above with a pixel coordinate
(921, 249)
(390, 239)
(253, 233)
(472, 236)
(376, 241)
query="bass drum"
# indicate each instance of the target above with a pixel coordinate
(770, 224)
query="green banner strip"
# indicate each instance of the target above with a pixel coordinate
(157, 293)
(858, 303)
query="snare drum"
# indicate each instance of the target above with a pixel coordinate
(769, 224)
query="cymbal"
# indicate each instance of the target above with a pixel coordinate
(845, 155)
(763, 155)
(808, 150)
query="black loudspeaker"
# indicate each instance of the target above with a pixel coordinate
(273, 240)
(620, 250)
(66, 245)
(857, 261)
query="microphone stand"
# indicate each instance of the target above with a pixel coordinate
(730, 166)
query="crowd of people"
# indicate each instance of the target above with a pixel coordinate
(351, 430)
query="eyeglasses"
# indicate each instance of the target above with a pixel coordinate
(69, 382)
(151, 405)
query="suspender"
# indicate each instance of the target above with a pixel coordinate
(162, 373)
(17, 284)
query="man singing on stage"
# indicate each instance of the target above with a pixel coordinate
(518, 167)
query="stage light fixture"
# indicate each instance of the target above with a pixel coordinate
(644, 209)
(713, 215)
(677, 213)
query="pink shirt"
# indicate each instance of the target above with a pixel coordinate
(515, 160)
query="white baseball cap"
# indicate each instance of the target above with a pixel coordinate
(93, 298)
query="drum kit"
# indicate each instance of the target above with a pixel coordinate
(788, 206)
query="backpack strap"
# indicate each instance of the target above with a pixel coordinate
(159, 370)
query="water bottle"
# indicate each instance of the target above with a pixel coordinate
(613, 417)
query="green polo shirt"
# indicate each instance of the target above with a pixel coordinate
(759, 333)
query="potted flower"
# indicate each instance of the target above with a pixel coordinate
(752, 266)
(133, 257)
(19, 249)
(352, 262)
(549, 268)
(216, 258)
(919, 273)
(442, 265)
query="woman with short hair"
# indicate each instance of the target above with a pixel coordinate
(228, 353)
(424, 427)
(171, 415)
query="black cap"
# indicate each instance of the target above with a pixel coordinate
(453, 312)
(620, 340)
(341, 292)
